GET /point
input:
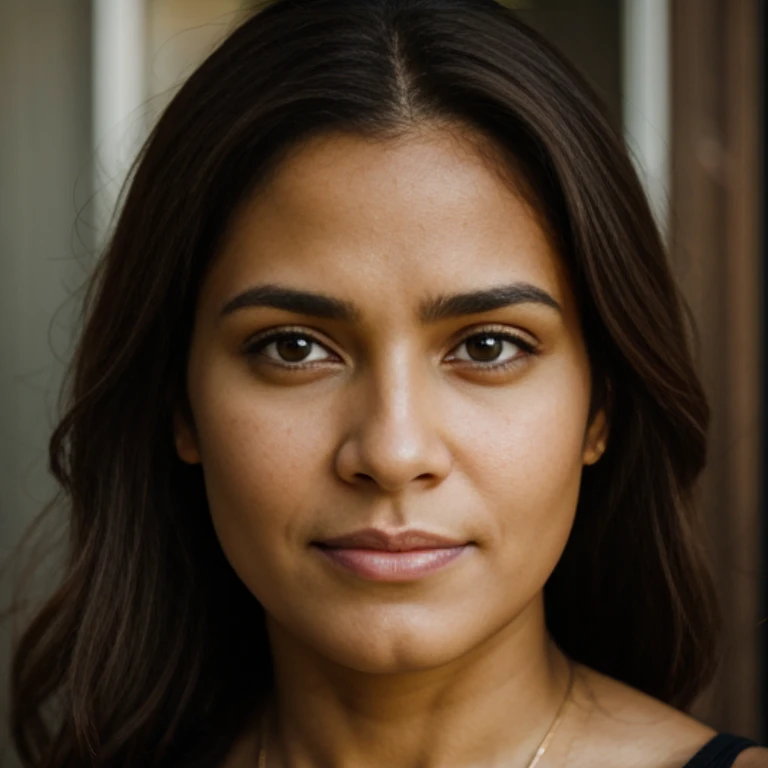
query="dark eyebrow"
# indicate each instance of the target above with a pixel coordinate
(292, 300)
(477, 302)
(431, 311)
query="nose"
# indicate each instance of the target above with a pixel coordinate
(394, 438)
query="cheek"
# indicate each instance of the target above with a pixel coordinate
(264, 460)
(522, 450)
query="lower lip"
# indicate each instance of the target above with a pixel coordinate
(380, 565)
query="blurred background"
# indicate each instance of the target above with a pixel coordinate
(81, 83)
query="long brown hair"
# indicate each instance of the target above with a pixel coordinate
(151, 652)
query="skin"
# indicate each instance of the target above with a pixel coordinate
(393, 424)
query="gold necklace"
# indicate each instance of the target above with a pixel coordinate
(550, 734)
(542, 748)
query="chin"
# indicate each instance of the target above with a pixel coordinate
(392, 655)
(394, 639)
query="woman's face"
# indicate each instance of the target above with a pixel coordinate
(434, 378)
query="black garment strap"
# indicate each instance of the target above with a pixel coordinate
(720, 752)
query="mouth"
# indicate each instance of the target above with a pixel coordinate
(377, 555)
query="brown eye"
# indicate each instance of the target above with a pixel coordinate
(288, 349)
(484, 348)
(494, 348)
(293, 349)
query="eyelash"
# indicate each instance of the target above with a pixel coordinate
(255, 346)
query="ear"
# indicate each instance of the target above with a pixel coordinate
(596, 438)
(186, 439)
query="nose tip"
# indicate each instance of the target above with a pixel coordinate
(392, 479)
(392, 452)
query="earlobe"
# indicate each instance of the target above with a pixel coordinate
(597, 439)
(185, 439)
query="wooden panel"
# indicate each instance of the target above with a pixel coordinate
(714, 203)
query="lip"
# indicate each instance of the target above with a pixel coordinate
(381, 565)
(391, 557)
(396, 541)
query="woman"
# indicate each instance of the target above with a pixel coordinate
(382, 426)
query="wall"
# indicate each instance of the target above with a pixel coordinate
(44, 179)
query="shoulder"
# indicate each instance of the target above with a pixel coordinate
(756, 757)
(623, 726)
(637, 730)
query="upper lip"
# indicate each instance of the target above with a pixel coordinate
(400, 541)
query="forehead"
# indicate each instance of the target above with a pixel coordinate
(362, 218)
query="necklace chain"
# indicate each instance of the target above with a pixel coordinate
(542, 748)
(550, 734)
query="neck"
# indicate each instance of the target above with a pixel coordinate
(492, 705)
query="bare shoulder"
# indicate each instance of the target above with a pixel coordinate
(627, 727)
(755, 757)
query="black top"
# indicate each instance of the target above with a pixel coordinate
(720, 752)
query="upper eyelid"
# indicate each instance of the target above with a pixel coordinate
(501, 330)
(270, 334)
(313, 333)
